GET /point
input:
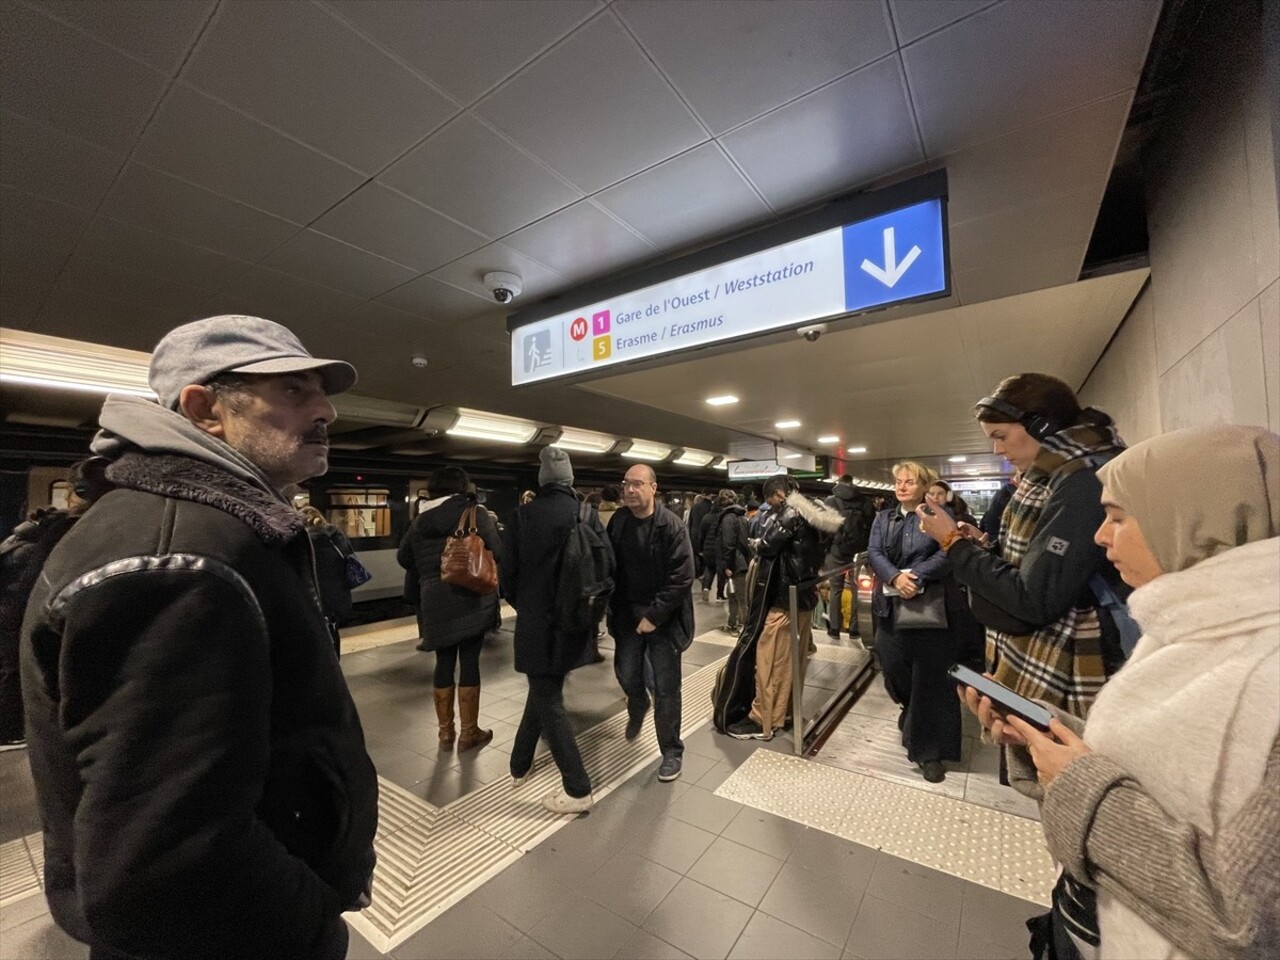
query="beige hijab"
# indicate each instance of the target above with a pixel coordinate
(1199, 492)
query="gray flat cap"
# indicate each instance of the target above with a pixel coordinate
(197, 352)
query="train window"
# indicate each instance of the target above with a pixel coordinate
(360, 512)
(59, 494)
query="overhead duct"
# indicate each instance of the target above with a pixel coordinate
(389, 413)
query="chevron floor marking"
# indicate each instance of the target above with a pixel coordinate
(829, 652)
(433, 857)
(21, 868)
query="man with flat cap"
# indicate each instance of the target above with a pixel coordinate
(200, 768)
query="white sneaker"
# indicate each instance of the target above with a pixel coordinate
(561, 802)
(519, 781)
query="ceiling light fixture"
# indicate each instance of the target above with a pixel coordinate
(723, 465)
(786, 424)
(956, 459)
(828, 439)
(723, 401)
(791, 456)
(855, 450)
(694, 458)
(36, 360)
(479, 425)
(585, 441)
(647, 450)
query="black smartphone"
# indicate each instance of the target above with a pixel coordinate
(1002, 697)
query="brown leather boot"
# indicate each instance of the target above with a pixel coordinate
(444, 716)
(469, 714)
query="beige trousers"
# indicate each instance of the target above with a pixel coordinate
(773, 666)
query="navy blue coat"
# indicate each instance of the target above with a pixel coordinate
(921, 555)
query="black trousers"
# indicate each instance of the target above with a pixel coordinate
(544, 716)
(464, 657)
(11, 722)
(629, 666)
(915, 664)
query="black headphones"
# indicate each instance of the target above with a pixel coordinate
(1037, 425)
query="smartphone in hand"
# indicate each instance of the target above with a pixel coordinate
(1004, 699)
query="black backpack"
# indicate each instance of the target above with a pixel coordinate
(584, 578)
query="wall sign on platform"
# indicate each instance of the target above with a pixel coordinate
(885, 259)
(753, 469)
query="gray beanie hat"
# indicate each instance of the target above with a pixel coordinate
(197, 352)
(555, 468)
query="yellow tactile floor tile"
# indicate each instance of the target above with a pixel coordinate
(989, 847)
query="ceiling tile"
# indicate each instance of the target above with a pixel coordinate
(39, 159)
(36, 238)
(690, 198)
(914, 18)
(470, 173)
(467, 272)
(170, 206)
(83, 315)
(463, 46)
(594, 108)
(734, 61)
(434, 299)
(158, 255)
(384, 222)
(1014, 233)
(54, 75)
(267, 293)
(1063, 154)
(295, 67)
(1015, 63)
(217, 148)
(125, 285)
(1036, 271)
(841, 136)
(160, 32)
(581, 242)
(332, 263)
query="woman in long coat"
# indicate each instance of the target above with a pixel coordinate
(454, 619)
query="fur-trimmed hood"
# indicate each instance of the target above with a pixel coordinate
(817, 515)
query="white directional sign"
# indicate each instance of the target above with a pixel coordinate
(885, 259)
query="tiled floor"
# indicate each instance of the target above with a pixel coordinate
(655, 870)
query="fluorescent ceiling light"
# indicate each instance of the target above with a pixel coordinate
(647, 450)
(787, 424)
(721, 466)
(722, 401)
(386, 412)
(856, 450)
(791, 456)
(956, 459)
(585, 441)
(972, 470)
(828, 439)
(33, 359)
(694, 458)
(492, 426)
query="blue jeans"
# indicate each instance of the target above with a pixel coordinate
(628, 665)
(544, 716)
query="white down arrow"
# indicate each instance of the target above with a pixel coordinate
(892, 270)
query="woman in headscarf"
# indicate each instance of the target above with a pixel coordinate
(1168, 799)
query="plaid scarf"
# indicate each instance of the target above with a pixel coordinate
(1061, 662)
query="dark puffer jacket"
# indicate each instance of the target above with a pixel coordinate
(795, 539)
(450, 614)
(533, 541)
(734, 552)
(201, 771)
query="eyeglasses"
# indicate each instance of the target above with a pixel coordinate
(635, 484)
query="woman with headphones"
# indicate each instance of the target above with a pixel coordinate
(1046, 636)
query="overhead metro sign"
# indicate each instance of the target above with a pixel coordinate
(886, 259)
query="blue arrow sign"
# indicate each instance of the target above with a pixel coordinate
(895, 256)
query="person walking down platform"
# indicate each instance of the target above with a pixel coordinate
(652, 610)
(545, 651)
(454, 619)
(735, 557)
(201, 772)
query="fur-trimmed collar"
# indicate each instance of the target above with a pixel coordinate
(183, 478)
(817, 515)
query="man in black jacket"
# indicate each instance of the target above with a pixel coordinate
(545, 651)
(199, 764)
(652, 610)
(848, 541)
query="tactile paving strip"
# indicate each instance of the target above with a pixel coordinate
(989, 847)
(21, 868)
(829, 652)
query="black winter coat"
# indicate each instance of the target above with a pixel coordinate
(450, 614)
(707, 543)
(670, 562)
(332, 548)
(22, 556)
(530, 567)
(201, 771)
(734, 552)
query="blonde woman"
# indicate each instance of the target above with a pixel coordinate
(915, 659)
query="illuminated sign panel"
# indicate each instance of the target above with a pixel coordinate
(882, 260)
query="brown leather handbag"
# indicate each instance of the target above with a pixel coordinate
(465, 561)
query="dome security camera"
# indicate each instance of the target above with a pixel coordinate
(505, 287)
(812, 332)
(419, 361)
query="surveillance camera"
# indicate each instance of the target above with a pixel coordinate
(812, 332)
(419, 361)
(505, 287)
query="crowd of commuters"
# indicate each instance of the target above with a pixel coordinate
(186, 776)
